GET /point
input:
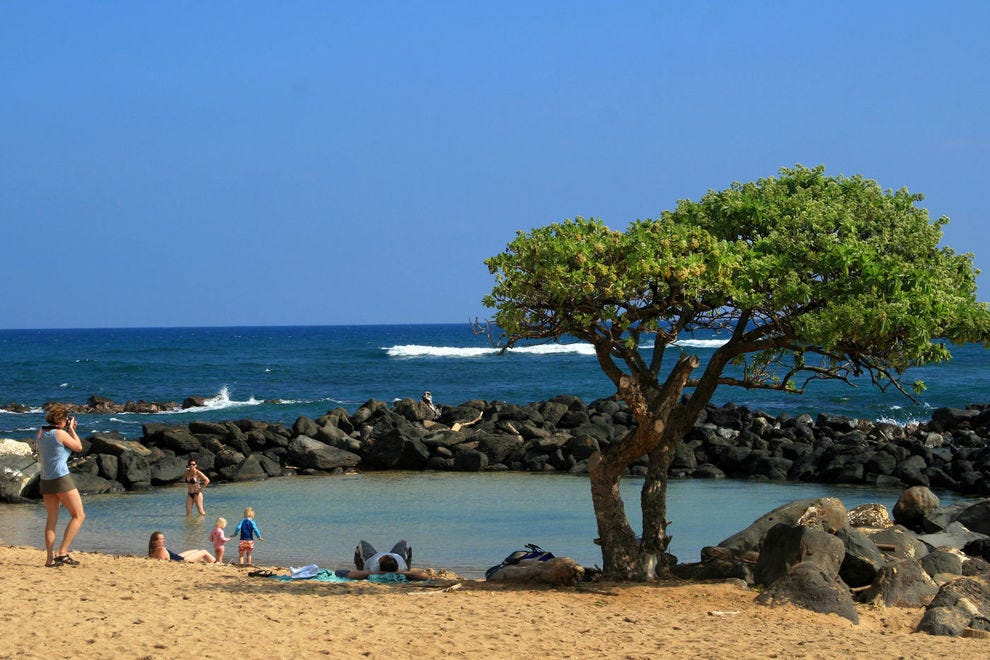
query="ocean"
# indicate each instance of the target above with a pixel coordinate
(463, 522)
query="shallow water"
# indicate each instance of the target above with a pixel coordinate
(463, 522)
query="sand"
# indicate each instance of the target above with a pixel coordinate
(132, 607)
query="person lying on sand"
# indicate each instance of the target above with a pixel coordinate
(367, 558)
(157, 550)
(387, 565)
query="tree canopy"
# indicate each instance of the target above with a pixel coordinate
(797, 264)
(810, 276)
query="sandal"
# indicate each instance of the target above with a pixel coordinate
(65, 560)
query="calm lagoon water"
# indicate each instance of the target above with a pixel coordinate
(464, 522)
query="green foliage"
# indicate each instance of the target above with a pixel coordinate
(808, 264)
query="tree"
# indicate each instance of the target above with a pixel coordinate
(810, 276)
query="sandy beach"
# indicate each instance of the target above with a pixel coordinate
(132, 607)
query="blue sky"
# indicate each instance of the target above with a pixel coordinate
(263, 163)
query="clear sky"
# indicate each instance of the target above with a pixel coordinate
(282, 163)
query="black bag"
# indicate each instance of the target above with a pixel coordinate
(532, 551)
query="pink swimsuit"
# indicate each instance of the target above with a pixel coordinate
(218, 538)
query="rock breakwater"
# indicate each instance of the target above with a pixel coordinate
(949, 452)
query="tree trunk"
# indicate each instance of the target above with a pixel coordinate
(617, 538)
(653, 502)
(623, 556)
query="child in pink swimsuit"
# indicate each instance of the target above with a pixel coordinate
(219, 538)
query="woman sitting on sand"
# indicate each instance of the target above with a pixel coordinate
(157, 550)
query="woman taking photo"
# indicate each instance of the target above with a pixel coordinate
(196, 481)
(56, 443)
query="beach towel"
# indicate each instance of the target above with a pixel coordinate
(314, 572)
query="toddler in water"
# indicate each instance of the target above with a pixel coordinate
(247, 529)
(219, 538)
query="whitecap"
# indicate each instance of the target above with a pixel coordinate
(125, 421)
(221, 401)
(700, 343)
(417, 350)
(30, 411)
(574, 348)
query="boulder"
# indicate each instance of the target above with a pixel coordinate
(826, 513)
(870, 515)
(134, 470)
(955, 536)
(470, 460)
(108, 466)
(91, 484)
(943, 561)
(17, 472)
(500, 448)
(862, 560)
(332, 435)
(979, 548)
(912, 471)
(807, 585)
(308, 452)
(250, 469)
(899, 542)
(414, 411)
(958, 605)
(901, 583)
(168, 470)
(976, 517)
(912, 506)
(112, 443)
(394, 450)
(16, 447)
(178, 439)
(787, 545)
(305, 426)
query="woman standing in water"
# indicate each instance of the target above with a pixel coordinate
(56, 443)
(196, 481)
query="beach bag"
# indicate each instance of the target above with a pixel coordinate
(532, 551)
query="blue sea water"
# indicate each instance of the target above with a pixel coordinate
(464, 522)
(309, 370)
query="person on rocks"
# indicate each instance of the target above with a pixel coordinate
(196, 481)
(428, 400)
(56, 443)
(157, 550)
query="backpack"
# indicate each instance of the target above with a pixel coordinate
(532, 551)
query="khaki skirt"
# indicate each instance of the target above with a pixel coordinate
(55, 486)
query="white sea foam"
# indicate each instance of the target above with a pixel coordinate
(221, 401)
(34, 411)
(700, 343)
(575, 348)
(416, 350)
